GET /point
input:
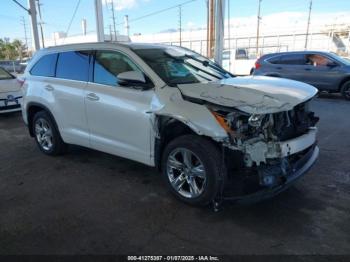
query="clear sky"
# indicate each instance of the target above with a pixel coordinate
(58, 13)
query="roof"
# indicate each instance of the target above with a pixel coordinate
(95, 45)
(298, 52)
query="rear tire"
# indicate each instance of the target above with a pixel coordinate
(47, 135)
(191, 167)
(345, 90)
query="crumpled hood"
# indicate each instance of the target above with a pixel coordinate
(252, 94)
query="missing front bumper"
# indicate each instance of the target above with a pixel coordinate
(297, 170)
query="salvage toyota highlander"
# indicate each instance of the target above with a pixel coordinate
(213, 136)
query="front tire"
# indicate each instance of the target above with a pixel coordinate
(345, 90)
(192, 169)
(47, 135)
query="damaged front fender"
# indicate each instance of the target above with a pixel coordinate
(198, 118)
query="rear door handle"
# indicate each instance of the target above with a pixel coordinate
(49, 88)
(279, 68)
(92, 97)
(307, 69)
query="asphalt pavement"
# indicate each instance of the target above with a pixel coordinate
(87, 202)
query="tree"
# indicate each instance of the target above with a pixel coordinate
(11, 51)
(19, 47)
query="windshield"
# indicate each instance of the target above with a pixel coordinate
(176, 65)
(4, 74)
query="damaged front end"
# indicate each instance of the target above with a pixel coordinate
(264, 153)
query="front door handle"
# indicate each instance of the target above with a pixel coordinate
(49, 88)
(92, 97)
(308, 69)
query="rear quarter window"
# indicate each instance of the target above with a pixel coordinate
(45, 66)
(274, 59)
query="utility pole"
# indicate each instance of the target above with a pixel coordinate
(83, 26)
(23, 22)
(126, 24)
(113, 18)
(258, 28)
(41, 24)
(110, 32)
(34, 25)
(308, 25)
(99, 21)
(219, 30)
(211, 28)
(229, 32)
(180, 24)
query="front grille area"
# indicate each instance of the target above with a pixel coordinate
(294, 123)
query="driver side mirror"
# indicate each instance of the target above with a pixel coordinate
(133, 79)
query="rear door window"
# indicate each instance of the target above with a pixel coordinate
(46, 66)
(293, 59)
(73, 65)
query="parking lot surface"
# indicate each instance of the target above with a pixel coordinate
(87, 202)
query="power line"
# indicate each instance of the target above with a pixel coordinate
(71, 20)
(21, 6)
(159, 11)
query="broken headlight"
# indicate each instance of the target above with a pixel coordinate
(255, 120)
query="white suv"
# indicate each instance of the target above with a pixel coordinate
(214, 136)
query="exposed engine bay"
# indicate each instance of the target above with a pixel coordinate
(269, 143)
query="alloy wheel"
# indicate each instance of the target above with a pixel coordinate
(186, 173)
(43, 134)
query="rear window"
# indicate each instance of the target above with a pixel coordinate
(45, 66)
(73, 65)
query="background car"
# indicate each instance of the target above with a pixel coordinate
(10, 92)
(12, 66)
(326, 71)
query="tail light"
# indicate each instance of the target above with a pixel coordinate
(21, 81)
(257, 64)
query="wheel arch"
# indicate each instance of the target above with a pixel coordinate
(343, 81)
(32, 109)
(169, 128)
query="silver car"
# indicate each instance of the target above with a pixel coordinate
(325, 71)
(10, 92)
